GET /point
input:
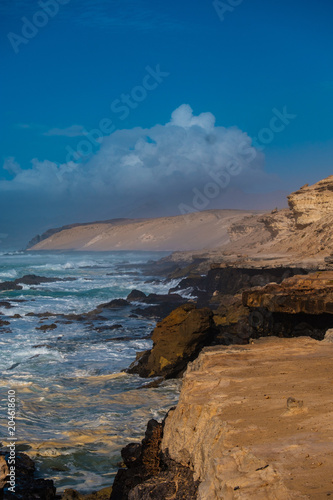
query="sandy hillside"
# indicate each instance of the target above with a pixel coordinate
(195, 231)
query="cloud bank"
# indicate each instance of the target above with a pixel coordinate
(136, 173)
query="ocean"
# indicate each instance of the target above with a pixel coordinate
(76, 408)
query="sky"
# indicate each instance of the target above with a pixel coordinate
(142, 109)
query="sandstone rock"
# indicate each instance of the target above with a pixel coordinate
(177, 339)
(311, 203)
(232, 429)
(310, 294)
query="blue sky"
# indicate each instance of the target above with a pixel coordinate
(69, 75)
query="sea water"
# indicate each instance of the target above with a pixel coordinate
(76, 407)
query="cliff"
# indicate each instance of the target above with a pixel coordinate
(256, 421)
(296, 234)
(311, 203)
(299, 235)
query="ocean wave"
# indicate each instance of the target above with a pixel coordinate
(8, 274)
(69, 265)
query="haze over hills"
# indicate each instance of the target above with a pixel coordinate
(194, 231)
(302, 230)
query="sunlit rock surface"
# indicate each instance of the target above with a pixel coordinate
(256, 421)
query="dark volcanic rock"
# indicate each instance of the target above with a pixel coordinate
(4, 323)
(30, 279)
(115, 303)
(52, 326)
(151, 474)
(27, 487)
(136, 296)
(231, 280)
(5, 304)
(177, 339)
(160, 305)
(10, 285)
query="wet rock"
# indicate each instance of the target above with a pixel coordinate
(136, 296)
(230, 280)
(154, 312)
(113, 304)
(164, 304)
(52, 326)
(5, 304)
(108, 328)
(27, 486)
(33, 279)
(4, 323)
(177, 339)
(30, 279)
(10, 285)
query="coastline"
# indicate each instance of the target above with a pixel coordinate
(252, 312)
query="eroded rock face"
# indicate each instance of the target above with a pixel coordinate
(150, 474)
(311, 203)
(310, 294)
(254, 422)
(177, 339)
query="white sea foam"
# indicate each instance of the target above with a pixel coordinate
(12, 273)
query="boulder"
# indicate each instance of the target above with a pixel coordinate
(136, 296)
(177, 339)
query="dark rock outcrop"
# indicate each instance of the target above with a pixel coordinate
(177, 339)
(151, 474)
(30, 279)
(159, 305)
(301, 305)
(27, 487)
(136, 296)
(229, 280)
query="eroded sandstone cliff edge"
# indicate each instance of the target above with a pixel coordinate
(256, 421)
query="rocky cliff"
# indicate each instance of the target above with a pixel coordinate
(311, 203)
(255, 422)
(252, 422)
(299, 235)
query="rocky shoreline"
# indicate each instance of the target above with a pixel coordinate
(230, 306)
(252, 337)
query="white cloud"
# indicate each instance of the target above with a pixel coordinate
(137, 172)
